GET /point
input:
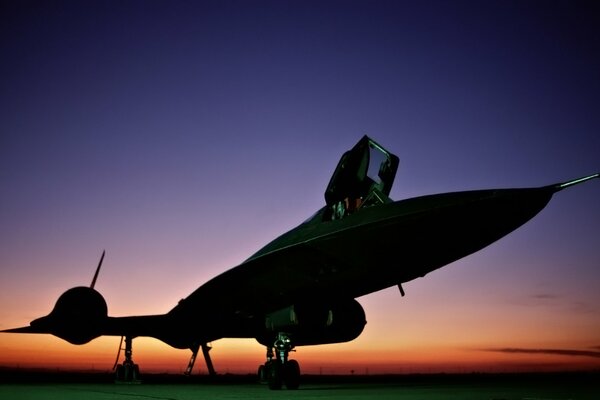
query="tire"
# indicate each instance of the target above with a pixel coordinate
(135, 376)
(120, 373)
(262, 374)
(274, 375)
(292, 374)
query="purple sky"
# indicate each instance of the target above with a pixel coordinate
(182, 136)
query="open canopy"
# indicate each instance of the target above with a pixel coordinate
(363, 177)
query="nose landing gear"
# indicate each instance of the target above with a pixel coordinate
(278, 369)
(128, 372)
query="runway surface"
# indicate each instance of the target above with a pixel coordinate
(423, 388)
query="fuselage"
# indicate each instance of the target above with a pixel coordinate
(374, 248)
(392, 243)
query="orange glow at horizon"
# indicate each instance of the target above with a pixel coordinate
(424, 335)
(242, 356)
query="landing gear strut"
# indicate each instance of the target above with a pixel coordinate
(128, 372)
(209, 365)
(278, 369)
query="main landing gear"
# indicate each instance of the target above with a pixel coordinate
(278, 370)
(128, 372)
(205, 349)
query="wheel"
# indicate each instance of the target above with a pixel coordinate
(135, 376)
(291, 374)
(274, 375)
(262, 374)
(120, 373)
(127, 373)
(129, 370)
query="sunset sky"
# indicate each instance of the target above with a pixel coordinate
(182, 136)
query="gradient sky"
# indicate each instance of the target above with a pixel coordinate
(181, 136)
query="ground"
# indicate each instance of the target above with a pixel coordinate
(422, 387)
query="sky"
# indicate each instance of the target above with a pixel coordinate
(182, 136)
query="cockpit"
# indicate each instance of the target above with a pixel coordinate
(363, 178)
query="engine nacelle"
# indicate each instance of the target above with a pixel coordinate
(78, 316)
(310, 323)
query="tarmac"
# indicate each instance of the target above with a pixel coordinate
(419, 387)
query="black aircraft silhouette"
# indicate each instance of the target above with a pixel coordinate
(300, 289)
